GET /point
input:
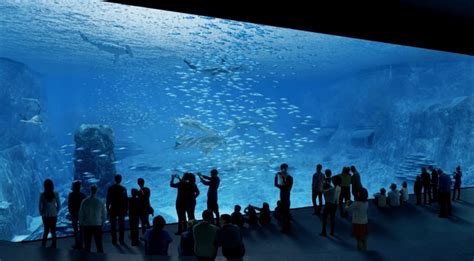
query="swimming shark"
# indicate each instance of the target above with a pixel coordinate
(116, 49)
(205, 143)
(223, 69)
(190, 123)
(207, 138)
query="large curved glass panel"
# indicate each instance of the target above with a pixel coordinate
(90, 89)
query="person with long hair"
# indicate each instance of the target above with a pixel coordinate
(49, 205)
(192, 192)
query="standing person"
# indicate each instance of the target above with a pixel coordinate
(327, 180)
(457, 182)
(444, 194)
(117, 209)
(144, 195)
(356, 182)
(213, 182)
(205, 237)
(434, 184)
(49, 205)
(135, 209)
(74, 201)
(284, 182)
(426, 181)
(180, 201)
(417, 188)
(317, 189)
(157, 240)
(91, 217)
(345, 195)
(404, 193)
(328, 176)
(359, 218)
(331, 195)
(230, 239)
(192, 192)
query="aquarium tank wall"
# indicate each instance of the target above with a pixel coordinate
(91, 89)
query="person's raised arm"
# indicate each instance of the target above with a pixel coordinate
(205, 180)
(204, 177)
(172, 183)
(276, 182)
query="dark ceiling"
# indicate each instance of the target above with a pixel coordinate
(446, 25)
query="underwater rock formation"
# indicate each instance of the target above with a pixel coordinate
(417, 116)
(94, 157)
(26, 156)
(444, 132)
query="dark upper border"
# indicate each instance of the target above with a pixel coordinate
(446, 25)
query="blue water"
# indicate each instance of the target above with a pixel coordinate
(265, 95)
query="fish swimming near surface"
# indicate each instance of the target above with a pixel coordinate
(116, 49)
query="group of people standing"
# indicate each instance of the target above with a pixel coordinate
(437, 188)
(336, 191)
(88, 214)
(188, 192)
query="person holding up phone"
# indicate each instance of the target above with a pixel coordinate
(213, 183)
(180, 202)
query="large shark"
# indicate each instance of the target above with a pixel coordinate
(190, 123)
(113, 48)
(207, 139)
(224, 68)
(205, 143)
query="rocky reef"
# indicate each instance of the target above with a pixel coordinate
(94, 157)
(394, 120)
(27, 155)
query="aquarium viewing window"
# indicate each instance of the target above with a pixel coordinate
(91, 89)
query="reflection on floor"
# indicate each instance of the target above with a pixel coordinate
(407, 233)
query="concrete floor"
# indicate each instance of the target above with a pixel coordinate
(406, 233)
